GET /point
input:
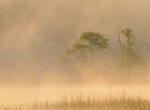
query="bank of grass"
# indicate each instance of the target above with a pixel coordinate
(86, 103)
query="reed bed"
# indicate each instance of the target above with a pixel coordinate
(86, 103)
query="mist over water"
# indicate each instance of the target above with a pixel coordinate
(34, 34)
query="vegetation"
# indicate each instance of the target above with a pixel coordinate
(88, 46)
(87, 103)
(129, 56)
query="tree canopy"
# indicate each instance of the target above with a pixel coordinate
(129, 56)
(88, 46)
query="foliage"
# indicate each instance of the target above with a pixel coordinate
(88, 46)
(129, 56)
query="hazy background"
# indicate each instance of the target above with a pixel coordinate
(34, 33)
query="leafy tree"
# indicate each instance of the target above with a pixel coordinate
(88, 46)
(129, 56)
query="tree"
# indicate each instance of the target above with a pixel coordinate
(88, 46)
(129, 56)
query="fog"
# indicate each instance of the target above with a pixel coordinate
(34, 34)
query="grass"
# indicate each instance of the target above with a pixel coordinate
(81, 102)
